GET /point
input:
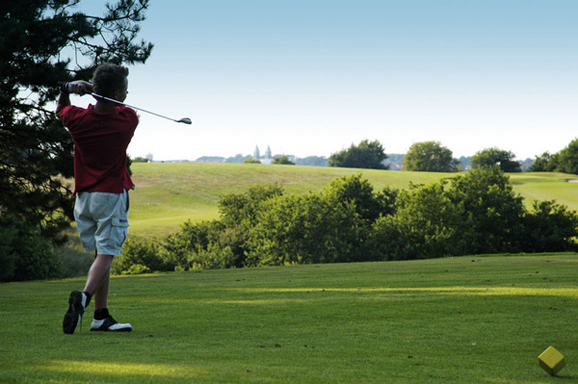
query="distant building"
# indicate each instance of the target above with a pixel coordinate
(149, 157)
(268, 154)
(267, 157)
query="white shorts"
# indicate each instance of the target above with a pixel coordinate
(102, 221)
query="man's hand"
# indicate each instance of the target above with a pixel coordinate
(80, 87)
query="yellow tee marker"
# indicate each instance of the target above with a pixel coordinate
(552, 361)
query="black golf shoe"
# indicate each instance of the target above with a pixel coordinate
(77, 303)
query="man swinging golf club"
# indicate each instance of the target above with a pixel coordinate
(101, 135)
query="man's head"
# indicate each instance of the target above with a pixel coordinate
(110, 80)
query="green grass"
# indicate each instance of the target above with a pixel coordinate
(167, 195)
(547, 186)
(455, 320)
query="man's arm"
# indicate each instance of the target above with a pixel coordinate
(63, 101)
(79, 87)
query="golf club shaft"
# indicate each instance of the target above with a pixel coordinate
(131, 106)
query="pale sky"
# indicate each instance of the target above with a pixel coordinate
(310, 78)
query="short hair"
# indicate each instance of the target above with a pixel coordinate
(109, 78)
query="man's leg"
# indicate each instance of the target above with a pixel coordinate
(92, 208)
(78, 301)
(97, 284)
(98, 280)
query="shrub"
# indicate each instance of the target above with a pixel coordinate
(24, 253)
(75, 261)
(241, 209)
(491, 213)
(238, 216)
(424, 226)
(387, 200)
(140, 255)
(179, 249)
(357, 191)
(136, 269)
(282, 160)
(213, 257)
(550, 227)
(303, 229)
(235, 239)
(473, 214)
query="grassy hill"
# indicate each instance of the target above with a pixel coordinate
(169, 194)
(453, 320)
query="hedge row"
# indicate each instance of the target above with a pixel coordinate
(473, 213)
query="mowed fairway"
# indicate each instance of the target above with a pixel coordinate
(455, 320)
(167, 195)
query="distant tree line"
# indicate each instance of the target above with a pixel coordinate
(565, 161)
(472, 213)
(428, 156)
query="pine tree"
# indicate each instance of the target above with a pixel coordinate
(43, 42)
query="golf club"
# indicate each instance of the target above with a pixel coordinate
(185, 120)
(66, 87)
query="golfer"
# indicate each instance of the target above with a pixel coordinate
(101, 135)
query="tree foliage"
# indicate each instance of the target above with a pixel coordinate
(24, 253)
(494, 156)
(301, 229)
(424, 226)
(41, 43)
(565, 161)
(369, 155)
(430, 156)
(282, 160)
(545, 163)
(359, 193)
(491, 212)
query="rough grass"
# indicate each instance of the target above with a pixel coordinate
(167, 195)
(456, 320)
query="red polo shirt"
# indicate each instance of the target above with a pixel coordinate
(100, 143)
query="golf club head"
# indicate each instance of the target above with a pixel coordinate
(185, 120)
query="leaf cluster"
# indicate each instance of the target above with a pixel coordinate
(430, 156)
(24, 253)
(565, 161)
(367, 155)
(494, 156)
